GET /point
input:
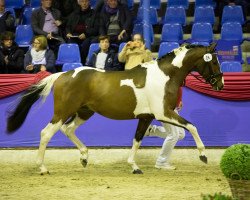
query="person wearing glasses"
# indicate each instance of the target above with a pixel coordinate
(39, 57)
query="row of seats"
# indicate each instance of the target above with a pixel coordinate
(69, 56)
(201, 14)
(154, 3)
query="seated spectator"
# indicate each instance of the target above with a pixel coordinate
(39, 57)
(66, 7)
(11, 56)
(116, 22)
(82, 27)
(105, 58)
(99, 4)
(47, 21)
(135, 53)
(7, 20)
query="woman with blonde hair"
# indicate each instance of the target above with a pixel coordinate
(39, 57)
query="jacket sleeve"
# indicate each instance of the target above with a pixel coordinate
(148, 56)
(122, 55)
(10, 22)
(127, 23)
(92, 29)
(50, 61)
(18, 60)
(35, 24)
(27, 59)
(117, 66)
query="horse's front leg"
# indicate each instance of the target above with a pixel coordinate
(46, 134)
(180, 121)
(140, 131)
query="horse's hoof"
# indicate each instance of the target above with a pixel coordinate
(84, 162)
(203, 159)
(137, 171)
(44, 173)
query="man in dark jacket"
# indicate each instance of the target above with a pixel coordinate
(11, 56)
(7, 20)
(82, 27)
(115, 21)
(47, 21)
(105, 58)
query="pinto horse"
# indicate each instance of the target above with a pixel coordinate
(146, 92)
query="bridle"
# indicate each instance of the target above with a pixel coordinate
(212, 78)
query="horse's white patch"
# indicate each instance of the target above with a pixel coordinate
(150, 98)
(180, 54)
(77, 70)
(207, 57)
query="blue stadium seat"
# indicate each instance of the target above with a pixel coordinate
(231, 66)
(26, 17)
(232, 14)
(175, 15)
(68, 53)
(121, 46)
(172, 33)
(178, 3)
(93, 47)
(205, 3)
(232, 31)
(153, 3)
(35, 3)
(24, 35)
(166, 47)
(153, 16)
(70, 66)
(16, 4)
(204, 15)
(202, 32)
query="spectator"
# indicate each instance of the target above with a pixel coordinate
(11, 56)
(99, 4)
(66, 7)
(39, 57)
(7, 20)
(82, 27)
(135, 53)
(105, 58)
(115, 21)
(47, 21)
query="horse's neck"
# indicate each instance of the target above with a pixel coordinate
(176, 74)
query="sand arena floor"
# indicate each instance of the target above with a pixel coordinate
(108, 176)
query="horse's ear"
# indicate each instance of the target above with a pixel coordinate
(212, 47)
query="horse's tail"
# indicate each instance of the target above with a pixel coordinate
(17, 116)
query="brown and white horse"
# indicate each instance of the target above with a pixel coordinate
(145, 92)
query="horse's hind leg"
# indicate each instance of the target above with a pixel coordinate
(69, 130)
(140, 131)
(46, 134)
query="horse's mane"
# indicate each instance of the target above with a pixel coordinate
(188, 46)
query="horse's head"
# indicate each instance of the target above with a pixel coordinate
(207, 65)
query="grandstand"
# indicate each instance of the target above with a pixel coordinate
(157, 16)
